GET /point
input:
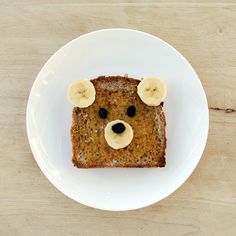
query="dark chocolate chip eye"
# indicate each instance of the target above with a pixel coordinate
(103, 113)
(131, 111)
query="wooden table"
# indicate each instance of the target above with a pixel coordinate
(205, 32)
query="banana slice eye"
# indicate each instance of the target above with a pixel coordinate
(152, 91)
(81, 93)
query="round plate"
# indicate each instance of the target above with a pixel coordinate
(117, 52)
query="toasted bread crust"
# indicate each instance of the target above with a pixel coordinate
(89, 148)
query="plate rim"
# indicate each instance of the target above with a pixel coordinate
(70, 195)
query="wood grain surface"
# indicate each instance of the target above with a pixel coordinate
(203, 31)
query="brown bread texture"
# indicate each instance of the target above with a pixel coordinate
(116, 94)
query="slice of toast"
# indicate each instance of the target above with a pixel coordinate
(116, 94)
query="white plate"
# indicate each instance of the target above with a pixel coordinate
(117, 52)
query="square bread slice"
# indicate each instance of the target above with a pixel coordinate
(116, 94)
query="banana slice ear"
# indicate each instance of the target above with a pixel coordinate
(81, 93)
(152, 91)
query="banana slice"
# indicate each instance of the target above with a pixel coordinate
(81, 93)
(121, 139)
(152, 91)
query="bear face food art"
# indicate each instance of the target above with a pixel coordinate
(118, 122)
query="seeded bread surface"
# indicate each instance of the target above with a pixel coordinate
(116, 94)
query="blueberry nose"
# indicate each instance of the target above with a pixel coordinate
(118, 128)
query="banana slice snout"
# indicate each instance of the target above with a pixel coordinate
(118, 134)
(81, 93)
(152, 91)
